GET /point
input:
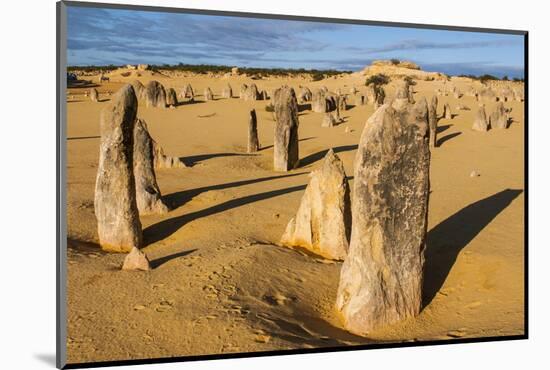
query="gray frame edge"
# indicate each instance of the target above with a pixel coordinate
(289, 17)
(61, 195)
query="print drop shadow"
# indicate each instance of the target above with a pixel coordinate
(46, 358)
(162, 260)
(312, 158)
(165, 228)
(449, 237)
(448, 137)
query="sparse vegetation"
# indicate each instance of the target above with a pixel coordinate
(395, 61)
(487, 77)
(109, 67)
(317, 77)
(210, 68)
(379, 92)
(409, 80)
(377, 80)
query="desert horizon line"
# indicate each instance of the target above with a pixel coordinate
(330, 71)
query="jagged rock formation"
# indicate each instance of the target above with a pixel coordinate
(447, 114)
(208, 95)
(342, 103)
(227, 92)
(381, 278)
(189, 93)
(171, 98)
(164, 161)
(329, 120)
(480, 120)
(499, 117)
(432, 120)
(253, 143)
(139, 89)
(286, 153)
(518, 95)
(402, 92)
(94, 96)
(155, 95)
(242, 91)
(136, 260)
(323, 221)
(305, 94)
(379, 96)
(118, 224)
(148, 196)
(250, 93)
(322, 101)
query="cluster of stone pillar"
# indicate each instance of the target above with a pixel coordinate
(381, 243)
(126, 185)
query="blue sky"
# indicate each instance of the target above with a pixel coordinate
(107, 36)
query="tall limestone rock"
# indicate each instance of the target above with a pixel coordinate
(94, 96)
(432, 120)
(171, 98)
(189, 93)
(323, 221)
(148, 196)
(253, 143)
(227, 92)
(118, 224)
(286, 153)
(381, 278)
(499, 117)
(208, 95)
(251, 93)
(480, 120)
(155, 95)
(447, 114)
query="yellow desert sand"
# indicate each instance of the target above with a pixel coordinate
(220, 283)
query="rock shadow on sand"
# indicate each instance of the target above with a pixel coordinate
(196, 159)
(176, 200)
(449, 237)
(312, 158)
(448, 137)
(162, 260)
(271, 146)
(164, 229)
